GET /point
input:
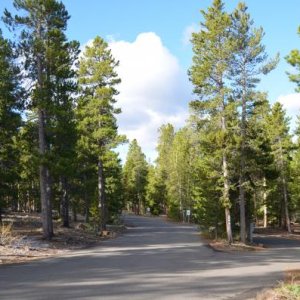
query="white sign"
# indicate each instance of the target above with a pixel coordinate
(188, 212)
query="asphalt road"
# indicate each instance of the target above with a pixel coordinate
(153, 260)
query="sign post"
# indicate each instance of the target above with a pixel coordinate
(188, 214)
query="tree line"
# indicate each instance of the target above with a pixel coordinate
(233, 163)
(58, 120)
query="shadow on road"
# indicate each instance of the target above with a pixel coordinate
(154, 259)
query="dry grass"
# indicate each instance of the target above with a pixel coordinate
(287, 290)
(222, 245)
(6, 234)
(21, 238)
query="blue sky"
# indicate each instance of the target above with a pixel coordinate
(150, 38)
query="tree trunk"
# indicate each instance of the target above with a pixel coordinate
(64, 201)
(286, 206)
(44, 182)
(74, 211)
(226, 200)
(228, 225)
(284, 191)
(101, 196)
(265, 204)
(242, 171)
(45, 189)
(86, 200)
(242, 210)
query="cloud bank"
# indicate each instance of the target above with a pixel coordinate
(154, 90)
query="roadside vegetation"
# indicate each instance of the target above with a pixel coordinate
(287, 290)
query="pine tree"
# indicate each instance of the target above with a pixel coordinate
(114, 186)
(295, 170)
(135, 178)
(294, 59)
(40, 45)
(28, 184)
(180, 177)
(96, 113)
(163, 162)
(10, 120)
(63, 130)
(213, 47)
(156, 193)
(260, 163)
(248, 62)
(281, 144)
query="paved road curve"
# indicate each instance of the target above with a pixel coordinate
(153, 260)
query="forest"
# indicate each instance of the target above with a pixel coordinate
(234, 164)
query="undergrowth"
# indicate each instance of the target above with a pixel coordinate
(6, 235)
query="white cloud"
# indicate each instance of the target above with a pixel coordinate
(187, 33)
(154, 90)
(290, 102)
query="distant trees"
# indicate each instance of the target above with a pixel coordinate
(135, 178)
(10, 121)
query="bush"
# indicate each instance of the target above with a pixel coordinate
(174, 212)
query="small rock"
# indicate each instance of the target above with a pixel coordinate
(81, 226)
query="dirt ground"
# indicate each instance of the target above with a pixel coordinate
(277, 232)
(21, 238)
(222, 245)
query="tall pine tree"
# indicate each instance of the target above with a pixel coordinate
(40, 44)
(281, 145)
(213, 47)
(96, 111)
(248, 62)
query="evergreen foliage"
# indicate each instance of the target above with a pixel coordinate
(233, 163)
(96, 113)
(10, 121)
(135, 178)
(294, 60)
